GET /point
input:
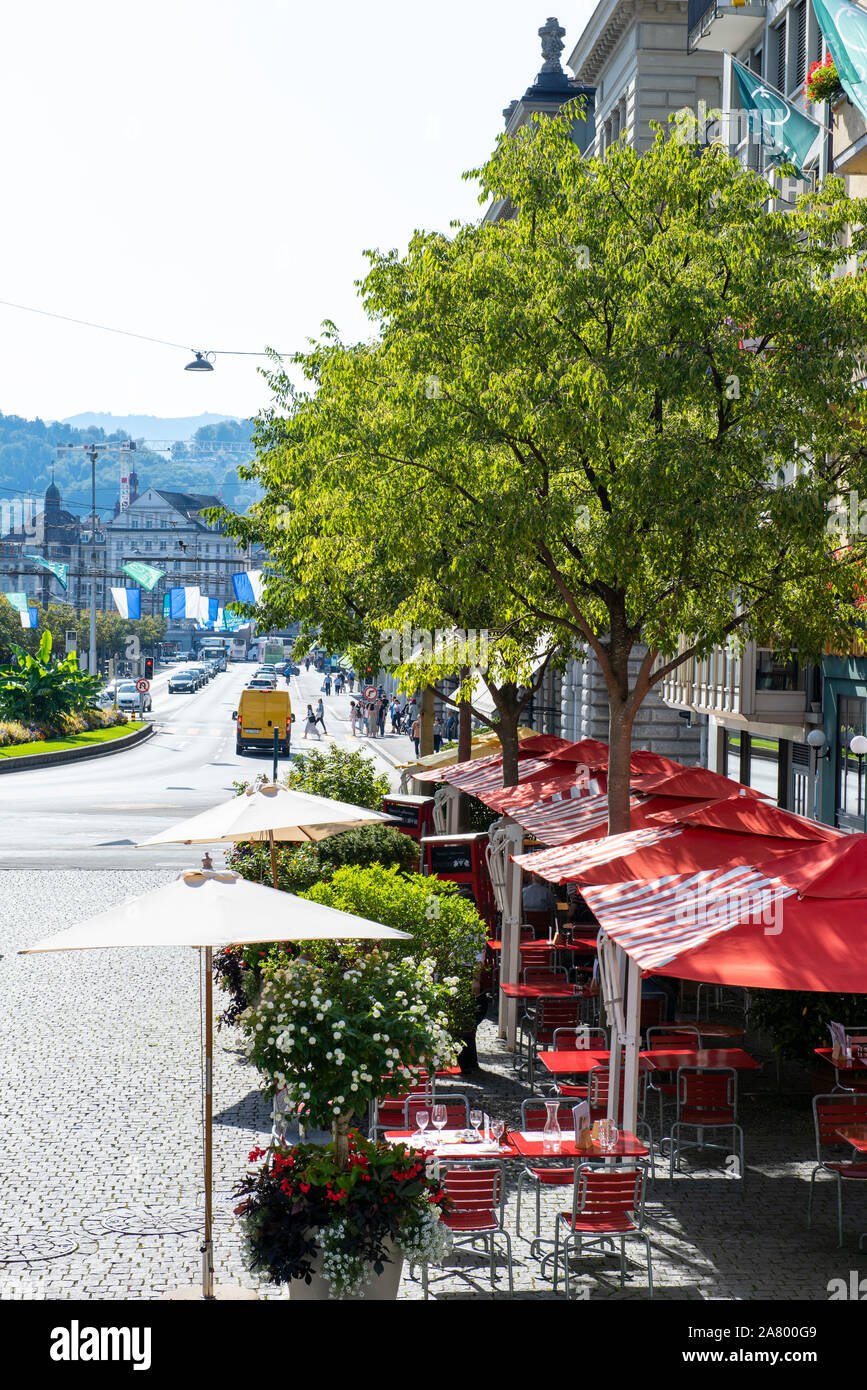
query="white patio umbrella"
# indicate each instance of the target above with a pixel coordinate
(208, 910)
(269, 813)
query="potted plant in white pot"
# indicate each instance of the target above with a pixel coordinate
(327, 1034)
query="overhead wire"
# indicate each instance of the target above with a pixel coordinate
(126, 333)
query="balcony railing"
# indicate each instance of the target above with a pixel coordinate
(717, 26)
(850, 140)
(726, 684)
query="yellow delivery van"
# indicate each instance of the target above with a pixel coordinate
(259, 713)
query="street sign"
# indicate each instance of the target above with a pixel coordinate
(370, 692)
(143, 686)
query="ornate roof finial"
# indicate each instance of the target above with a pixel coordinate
(551, 35)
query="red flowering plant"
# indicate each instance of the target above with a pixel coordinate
(823, 83)
(302, 1203)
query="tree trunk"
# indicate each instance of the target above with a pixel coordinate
(341, 1140)
(507, 732)
(465, 748)
(619, 749)
(427, 719)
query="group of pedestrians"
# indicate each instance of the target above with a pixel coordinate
(313, 719)
(367, 717)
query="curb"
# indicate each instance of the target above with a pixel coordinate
(75, 755)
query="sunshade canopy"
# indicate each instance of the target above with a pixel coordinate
(830, 869)
(697, 782)
(746, 816)
(651, 853)
(205, 908)
(737, 926)
(265, 813)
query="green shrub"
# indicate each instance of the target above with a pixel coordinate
(444, 926)
(798, 1020)
(340, 775)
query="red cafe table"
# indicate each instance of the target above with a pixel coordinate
(555, 989)
(669, 1059)
(529, 1144)
(856, 1135)
(854, 1069)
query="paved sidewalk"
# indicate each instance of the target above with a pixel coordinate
(100, 1145)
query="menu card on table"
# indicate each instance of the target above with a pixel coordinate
(839, 1042)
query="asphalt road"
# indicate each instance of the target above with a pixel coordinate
(89, 815)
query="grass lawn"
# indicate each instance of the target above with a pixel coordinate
(21, 750)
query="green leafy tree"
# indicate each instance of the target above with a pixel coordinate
(597, 399)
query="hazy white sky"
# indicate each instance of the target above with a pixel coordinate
(210, 172)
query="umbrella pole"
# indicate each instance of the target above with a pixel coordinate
(273, 858)
(208, 1247)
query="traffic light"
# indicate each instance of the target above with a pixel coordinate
(149, 668)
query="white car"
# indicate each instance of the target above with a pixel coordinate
(130, 698)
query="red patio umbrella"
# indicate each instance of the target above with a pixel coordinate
(698, 782)
(745, 815)
(651, 853)
(740, 926)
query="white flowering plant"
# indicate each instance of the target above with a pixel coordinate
(327, 1034)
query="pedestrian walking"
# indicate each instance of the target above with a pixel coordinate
(338, 683)
(307, 663)
(320, 715)
(310, 723)
(395, 716)
(327, 684)
(352, 682)
(380, 715)
(415, 733)
(452, 725)
(437, 734)
(353, 716)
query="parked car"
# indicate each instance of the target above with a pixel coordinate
(184, 682)
(128, 698)
(202, 672)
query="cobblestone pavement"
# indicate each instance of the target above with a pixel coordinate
(100, 1142)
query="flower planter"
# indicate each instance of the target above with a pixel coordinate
(380, 1288)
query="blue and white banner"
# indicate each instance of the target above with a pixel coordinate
(127, 602)
(29, 617)
(248, 586)
(208, 610)
(184, 602)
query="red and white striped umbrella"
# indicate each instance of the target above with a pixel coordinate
(738, 926)
(652, 852)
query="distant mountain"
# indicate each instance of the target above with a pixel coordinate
(146, 426)
(33, 452)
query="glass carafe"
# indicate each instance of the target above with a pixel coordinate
(551, 1134)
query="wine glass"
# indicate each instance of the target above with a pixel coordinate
(421, 1120)
(439, 1115)
(498, 1129)
(475, 1121)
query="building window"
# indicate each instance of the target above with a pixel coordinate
(799, 40)
(851, 710)
(778, 671)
